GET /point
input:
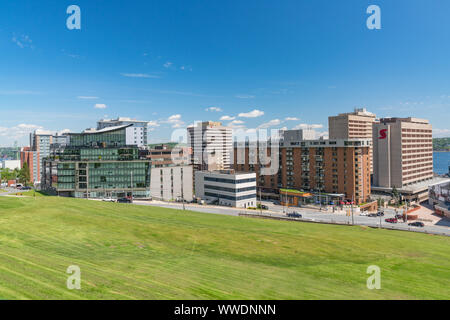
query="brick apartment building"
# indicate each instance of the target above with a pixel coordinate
(32, 159)
(339, 167)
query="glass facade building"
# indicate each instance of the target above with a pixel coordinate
(97, 164)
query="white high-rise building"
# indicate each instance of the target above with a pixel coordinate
(211, 144)
(402, 152)
(135, 134)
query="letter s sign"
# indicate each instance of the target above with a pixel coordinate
(383, 134)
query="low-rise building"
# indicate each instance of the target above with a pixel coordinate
(171, 182)
(10, 164)
(226, 187)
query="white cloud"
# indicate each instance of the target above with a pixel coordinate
(139, 75)
(244, 96)
(153, 124)
(87, 97)
(100, 106)
(271, 123)
(214, 109)
(19, 131)
(175, 121)
(291, 119)
(308, 126)
(227, 118)
(236, 124)
(168, 64)
(23, 41)
(441, 133)
(252, 114)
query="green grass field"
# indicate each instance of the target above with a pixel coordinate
(137, 252)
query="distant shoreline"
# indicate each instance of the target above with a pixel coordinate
(441, 150)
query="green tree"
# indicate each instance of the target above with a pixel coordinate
(24, 174)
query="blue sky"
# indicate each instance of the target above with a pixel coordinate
(254, 61)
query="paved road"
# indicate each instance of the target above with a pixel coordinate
(307, 214)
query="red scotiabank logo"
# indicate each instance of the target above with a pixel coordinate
(383, 134)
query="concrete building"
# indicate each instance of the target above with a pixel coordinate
(338, 167)
(211, 145)
(403, 157)
(136, 134)
(403, 152)
(352, 125)
(297, 135)
(32, 159)
(10, 164)
(226, 188)
(171, 183)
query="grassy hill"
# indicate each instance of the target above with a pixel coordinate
(137, 252)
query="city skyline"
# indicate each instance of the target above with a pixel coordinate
(248, 65)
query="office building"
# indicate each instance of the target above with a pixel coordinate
(211, 145)
(403, 156)
(97, 164)
(353, 125)
(226, 187)
(136, 134)
(330, 170)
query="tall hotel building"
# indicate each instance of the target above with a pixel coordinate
(337, 169)
(353, 125)
(211, 145)
(403, 152)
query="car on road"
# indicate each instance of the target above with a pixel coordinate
(399, 216)
(391, 220)
(364, 214)
(380, 214)
(264, 207)
(25, 188)
(294, 215)
(416, 224)
(108, 199)
(372, 215)
(124, 200)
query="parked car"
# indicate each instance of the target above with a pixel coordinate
(416, 224)
(264, 207)
(25, 188)
(399, 216)
(294, 215)
(391, 220)
(364, 214)
(380, 214)
(109, 199)
(372, 215)
(124, 200)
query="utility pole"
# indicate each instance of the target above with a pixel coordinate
(182, 188)
(131, 185)
(260, 204)
(285, 201)
(353, 222)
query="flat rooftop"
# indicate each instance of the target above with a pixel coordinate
(416, 187)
